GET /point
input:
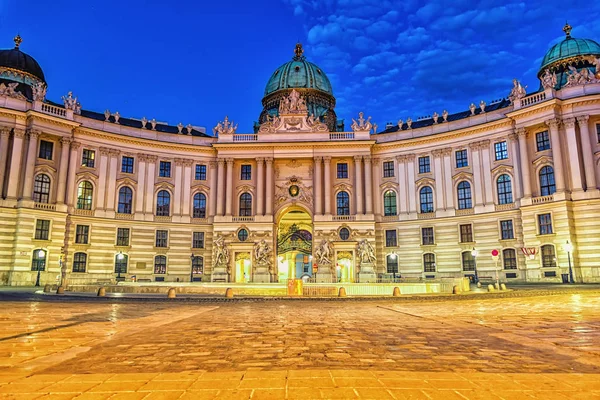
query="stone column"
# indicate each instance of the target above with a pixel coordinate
(438, 177)
(559, 175)
(103, 172)
(260, 183)
(575, 167)
(524, 161)
(229, 195)
(141, 180)
(15, 164)
(318, 186)
(586, 148)
(112, 179)
(73, 163)
(358, 185)
(63, 168)
(412, 197)
(212, 209)
(150, 179)
(448, 187)
(486, 173)
(376, 174)
(220, 185)
(178, 187)
(187, 187)
(477, 181)
(4, 135)
(402, 184)
(368, 186)
(30, 164)
(269, 187)
(327, 188)
(513, 138)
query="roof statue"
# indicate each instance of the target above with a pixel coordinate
(293, 104)
(71, 103)
(225, 127)
(18, 41)
(362, 124)
(549, 80)
(298, 50)
(39, 91)
(517, 92)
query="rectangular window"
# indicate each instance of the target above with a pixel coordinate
(429, 262)
(427, 236)
(164, 170)
(46, 150)
(501, 151)
(424, 165)
(89, 158)
(506, 229)
(388, 169)
(545, 223)
(200, 172)
(466, 233)
(122, 236)
(509, 257)
(390, 238)
(127, 165)
(342, 170)
(42, 229)
(82, 234)
(542, 141)
(392, 264)
(198, 240)
(461, 159)
(246, 172)
(162, 237)
(79, 262)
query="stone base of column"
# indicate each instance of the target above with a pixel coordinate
(367, 273)
(261, 275)
(324, 274)
(219, 274)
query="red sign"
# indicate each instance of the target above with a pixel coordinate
(495, 253)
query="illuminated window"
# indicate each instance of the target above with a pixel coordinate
(389, 203)
(89, 158)
(41, 189)
(160, 265)
(548, 256)
(199, 205)
(245, 205)
(426, 198)
(428, 262)
(85, 193)
(464, 195)
(504, 188)
(163, 204)
(125, 200)
(343, 203)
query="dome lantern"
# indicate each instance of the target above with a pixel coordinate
(22, 69)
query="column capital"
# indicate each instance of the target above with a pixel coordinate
(513, 137)
(269, 160)
(212, 164)
(583, 119)
(410, 157)
(151, 158)
(104, 151)
(437, 153)
(375, 161)
(484, 143)
(187, 162)
(66, 140)
(75, 145)
(367, 159)
(521, 132)
(475, 146)
(178, 162)
(327, 158)
(357, 159)
(20, 133)
(4, 131)
(260, 159)
(114, 152)
(142, 157)
(569, 122)
(318, 159)
(221, 161)
(553, 123)
(229, 161)
(33, 133)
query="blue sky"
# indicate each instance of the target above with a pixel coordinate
(197, 61)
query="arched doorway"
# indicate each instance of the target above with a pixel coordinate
(294, 245)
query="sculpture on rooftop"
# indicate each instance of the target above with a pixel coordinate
(293, 104)
(517, 92)
(362, 124)
(71, 103)
(225, 127)
(549, 80)
(39, 91)
(9, 90)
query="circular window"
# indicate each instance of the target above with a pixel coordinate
(344, 233)
(297, 68)
(294, 190)
(242, 235)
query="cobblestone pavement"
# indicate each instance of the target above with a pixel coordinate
(514, 348)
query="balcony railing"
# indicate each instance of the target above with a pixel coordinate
(343, 217)
(45, 206)
(166, 218)
(427, 215)
(85, 213)
(243, 219)
(389, 218)
(199, 220)
(123, 216)
(504, 207)
(341, 136)
(533, 99)
(542, 199)
(48, 109)
(245, 137)
(465, 211)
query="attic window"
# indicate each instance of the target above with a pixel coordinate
(319, 71)
(297, 68)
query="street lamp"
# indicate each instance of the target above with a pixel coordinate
(192, 268)
(339, 272)
(474, 254)
(569, 248)
(41, 255)
(120, 257)
(393, 257)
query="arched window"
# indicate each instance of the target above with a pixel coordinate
(464, 195)
(160, 265)
(163, 204)
(125, 200)
(343, 203)
(392, 263)
(548, 256)
(79, 262)
(41, 189)
(199, 206)
(121, 263)
(38, 261)
(197, 265)
(547, 185)
(245, 205)
(85, 194)
(468, 261)
(426, 199)
(509, 258)
(504, 189)
(428, 262)
(389, 203)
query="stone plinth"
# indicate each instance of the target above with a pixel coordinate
(323, 274)
(261, 275)
(220, 275)
(367, 273)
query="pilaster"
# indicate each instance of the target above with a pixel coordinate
(63, 169)
(588, 156)
(559, 174)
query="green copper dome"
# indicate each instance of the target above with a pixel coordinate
(570, 47)
(297, 74)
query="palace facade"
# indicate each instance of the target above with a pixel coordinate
(509, 187)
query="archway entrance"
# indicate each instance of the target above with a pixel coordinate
(294, 245)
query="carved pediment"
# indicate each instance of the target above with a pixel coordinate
(87, 176)
(126, 181)
(165, 186)
(342, 186)
(390, 185)
(425, 182)
(244, 188)
(43, 168)
(542, 160)
(463, 175)
(502, 169)
(200, 188)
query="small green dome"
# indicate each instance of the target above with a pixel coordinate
(570, 47)
(298, 73)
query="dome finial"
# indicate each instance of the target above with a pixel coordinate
(567, 30)
(298, 50)
(18, 41)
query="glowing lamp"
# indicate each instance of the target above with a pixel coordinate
(393, 256)
(41, 253)
(568, 247)
(120, 255)
(474, 252)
